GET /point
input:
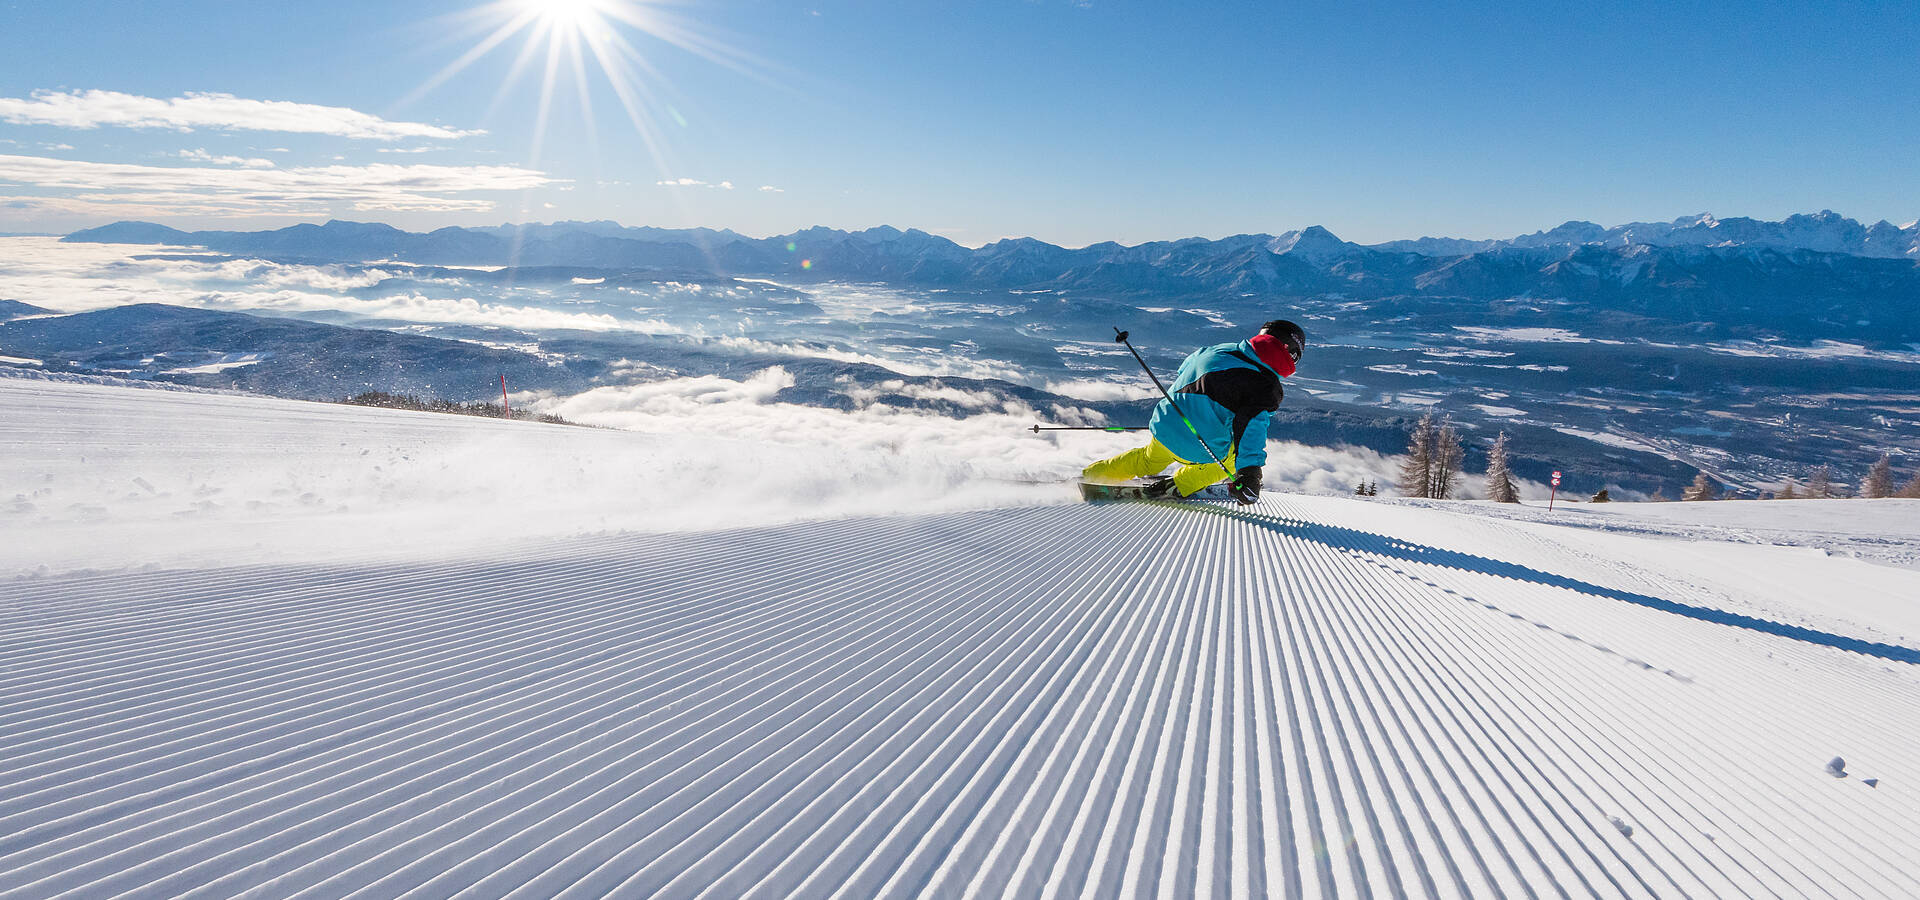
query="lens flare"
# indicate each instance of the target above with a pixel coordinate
(570, 37)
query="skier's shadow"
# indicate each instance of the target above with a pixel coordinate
(1380, 545)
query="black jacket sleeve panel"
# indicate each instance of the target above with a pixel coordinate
(1243, 392)
(1262, 371)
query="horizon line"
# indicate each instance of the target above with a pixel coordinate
(850, 231)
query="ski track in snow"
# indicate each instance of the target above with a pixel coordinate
(1118, 700)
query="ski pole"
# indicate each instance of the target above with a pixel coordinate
(1113, 428)
(1120, 337)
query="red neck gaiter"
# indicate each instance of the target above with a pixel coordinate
(1273, 352)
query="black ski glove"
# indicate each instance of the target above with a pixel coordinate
(1160, 488)
(1245, 487)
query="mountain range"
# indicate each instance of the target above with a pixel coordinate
(1806, 278)
(1825, 232)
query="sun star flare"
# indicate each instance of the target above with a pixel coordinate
(567, 38)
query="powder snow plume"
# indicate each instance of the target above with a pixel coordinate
(171, 477)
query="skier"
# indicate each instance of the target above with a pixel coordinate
(1222, 400)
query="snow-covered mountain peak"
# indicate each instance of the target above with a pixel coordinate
(1313, 243)
(1825, 231)
(346, 225)
(1016, 243)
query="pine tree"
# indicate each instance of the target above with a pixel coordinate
(1500, 487)
(1820, 483)
(1447, 456)
(1416, 474)
(1789, 492)
(1879, 481)
(1910, 490)
(1702, 488)
(1658, 496)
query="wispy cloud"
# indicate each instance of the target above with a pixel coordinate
(770, 189)
(693, 182)
(427, 149)
(147, 206)
(78, 277)
(222, 112)
(241, 161)
(200, 190)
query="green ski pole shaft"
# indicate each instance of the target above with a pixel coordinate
(1121, 337)
(1117, 429)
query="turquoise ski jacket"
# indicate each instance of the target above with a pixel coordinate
(1229, 392)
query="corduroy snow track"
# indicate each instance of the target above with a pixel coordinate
(1280, 700)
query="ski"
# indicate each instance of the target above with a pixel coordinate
(1136, 489)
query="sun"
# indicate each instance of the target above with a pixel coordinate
(575, 16)
(566, 39)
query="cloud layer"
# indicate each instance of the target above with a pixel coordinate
(179, 190)
(81, 277)
(244, 162)
(220, 112)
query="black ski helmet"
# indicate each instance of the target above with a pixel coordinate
(1290, 333)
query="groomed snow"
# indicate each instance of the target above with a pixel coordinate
(1313, 696)
(1844, 566)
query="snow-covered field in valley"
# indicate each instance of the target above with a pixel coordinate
(276, 649)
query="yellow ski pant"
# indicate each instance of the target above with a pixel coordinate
(1154, 459)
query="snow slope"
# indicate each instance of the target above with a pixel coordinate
(1846, 566)
(1313, 696)
(106, 477)
(1885, 531)
(110, 476)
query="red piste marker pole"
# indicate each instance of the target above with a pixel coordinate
(506, 412)
(1551, 496)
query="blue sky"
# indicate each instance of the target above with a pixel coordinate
(1071, 122)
